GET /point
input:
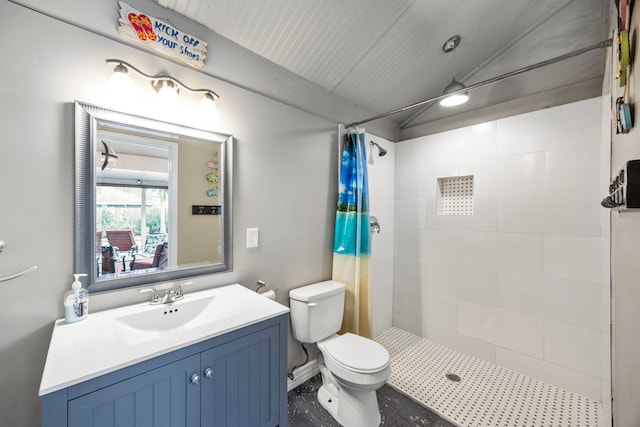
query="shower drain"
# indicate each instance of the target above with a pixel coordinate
(453, 377)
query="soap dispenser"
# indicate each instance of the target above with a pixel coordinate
(76, 301)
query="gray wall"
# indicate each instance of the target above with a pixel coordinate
(625, 277)
(285, 180)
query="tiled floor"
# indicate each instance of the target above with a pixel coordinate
(396, 409)
(486, 395)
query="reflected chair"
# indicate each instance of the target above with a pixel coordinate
(110, 264)
(124, 244)
(159, 259)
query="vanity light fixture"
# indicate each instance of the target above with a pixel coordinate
(167, 90)
(207, 107)
(121, 77)
(457, 90)
(168, 86)
(165, 86)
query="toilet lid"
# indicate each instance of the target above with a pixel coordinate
(358, 353)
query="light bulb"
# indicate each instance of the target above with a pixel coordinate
(453, 100)
(121, 90)
(207, 112)
(167, 92)
(456, 99)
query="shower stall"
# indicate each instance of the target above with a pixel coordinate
(493, 244)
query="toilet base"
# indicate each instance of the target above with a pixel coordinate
(350, 408)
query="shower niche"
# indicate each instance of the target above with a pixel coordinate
(455, 196)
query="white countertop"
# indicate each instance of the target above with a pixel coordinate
(100, 344)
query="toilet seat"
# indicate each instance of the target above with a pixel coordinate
(355, 353)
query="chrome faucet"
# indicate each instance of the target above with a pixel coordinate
(179, 292)
(155, 297)
(170, 296)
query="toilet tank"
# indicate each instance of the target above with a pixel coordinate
(316, 310)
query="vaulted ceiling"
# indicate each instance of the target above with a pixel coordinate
(386, 54)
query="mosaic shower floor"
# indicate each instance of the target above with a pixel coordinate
(487, 395)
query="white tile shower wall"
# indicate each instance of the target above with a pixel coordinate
(551, 298)
(471, 346)
(551, 373)
(381, 200)
(516, 331)
(521, 281)
(572, 347)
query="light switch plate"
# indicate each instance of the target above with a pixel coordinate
(252, 237)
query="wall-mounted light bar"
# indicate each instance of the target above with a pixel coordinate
(165, 85)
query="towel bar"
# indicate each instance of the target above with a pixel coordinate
(15, 276)
(3, 246)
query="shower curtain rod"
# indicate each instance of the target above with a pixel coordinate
(600, 45)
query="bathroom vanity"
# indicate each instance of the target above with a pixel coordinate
(216, 358)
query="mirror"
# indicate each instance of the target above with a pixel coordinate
(152, 199)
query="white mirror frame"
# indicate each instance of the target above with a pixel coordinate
(86, 120)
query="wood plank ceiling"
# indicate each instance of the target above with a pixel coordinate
(386, 54)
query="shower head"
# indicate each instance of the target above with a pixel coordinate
(381, 151)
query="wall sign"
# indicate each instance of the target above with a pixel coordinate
(160, 36)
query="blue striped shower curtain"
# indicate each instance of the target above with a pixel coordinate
(352, 240)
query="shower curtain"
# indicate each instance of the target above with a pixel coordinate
(352, 243)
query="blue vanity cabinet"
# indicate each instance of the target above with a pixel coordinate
(235, 379)
(239, 388)
(161, 397)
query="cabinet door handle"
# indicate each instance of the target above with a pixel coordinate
(208, 373)
(195, 379)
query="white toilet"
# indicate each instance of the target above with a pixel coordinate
(352, 367)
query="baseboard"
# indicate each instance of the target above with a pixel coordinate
(302, 374)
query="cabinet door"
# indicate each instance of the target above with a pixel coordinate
(242, 388)
(165, 396)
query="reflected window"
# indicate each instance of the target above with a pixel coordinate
(142, 211)
(132, 205)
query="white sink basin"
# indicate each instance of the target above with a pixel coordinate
(186, 313)
(113, 339)
(153, 322)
